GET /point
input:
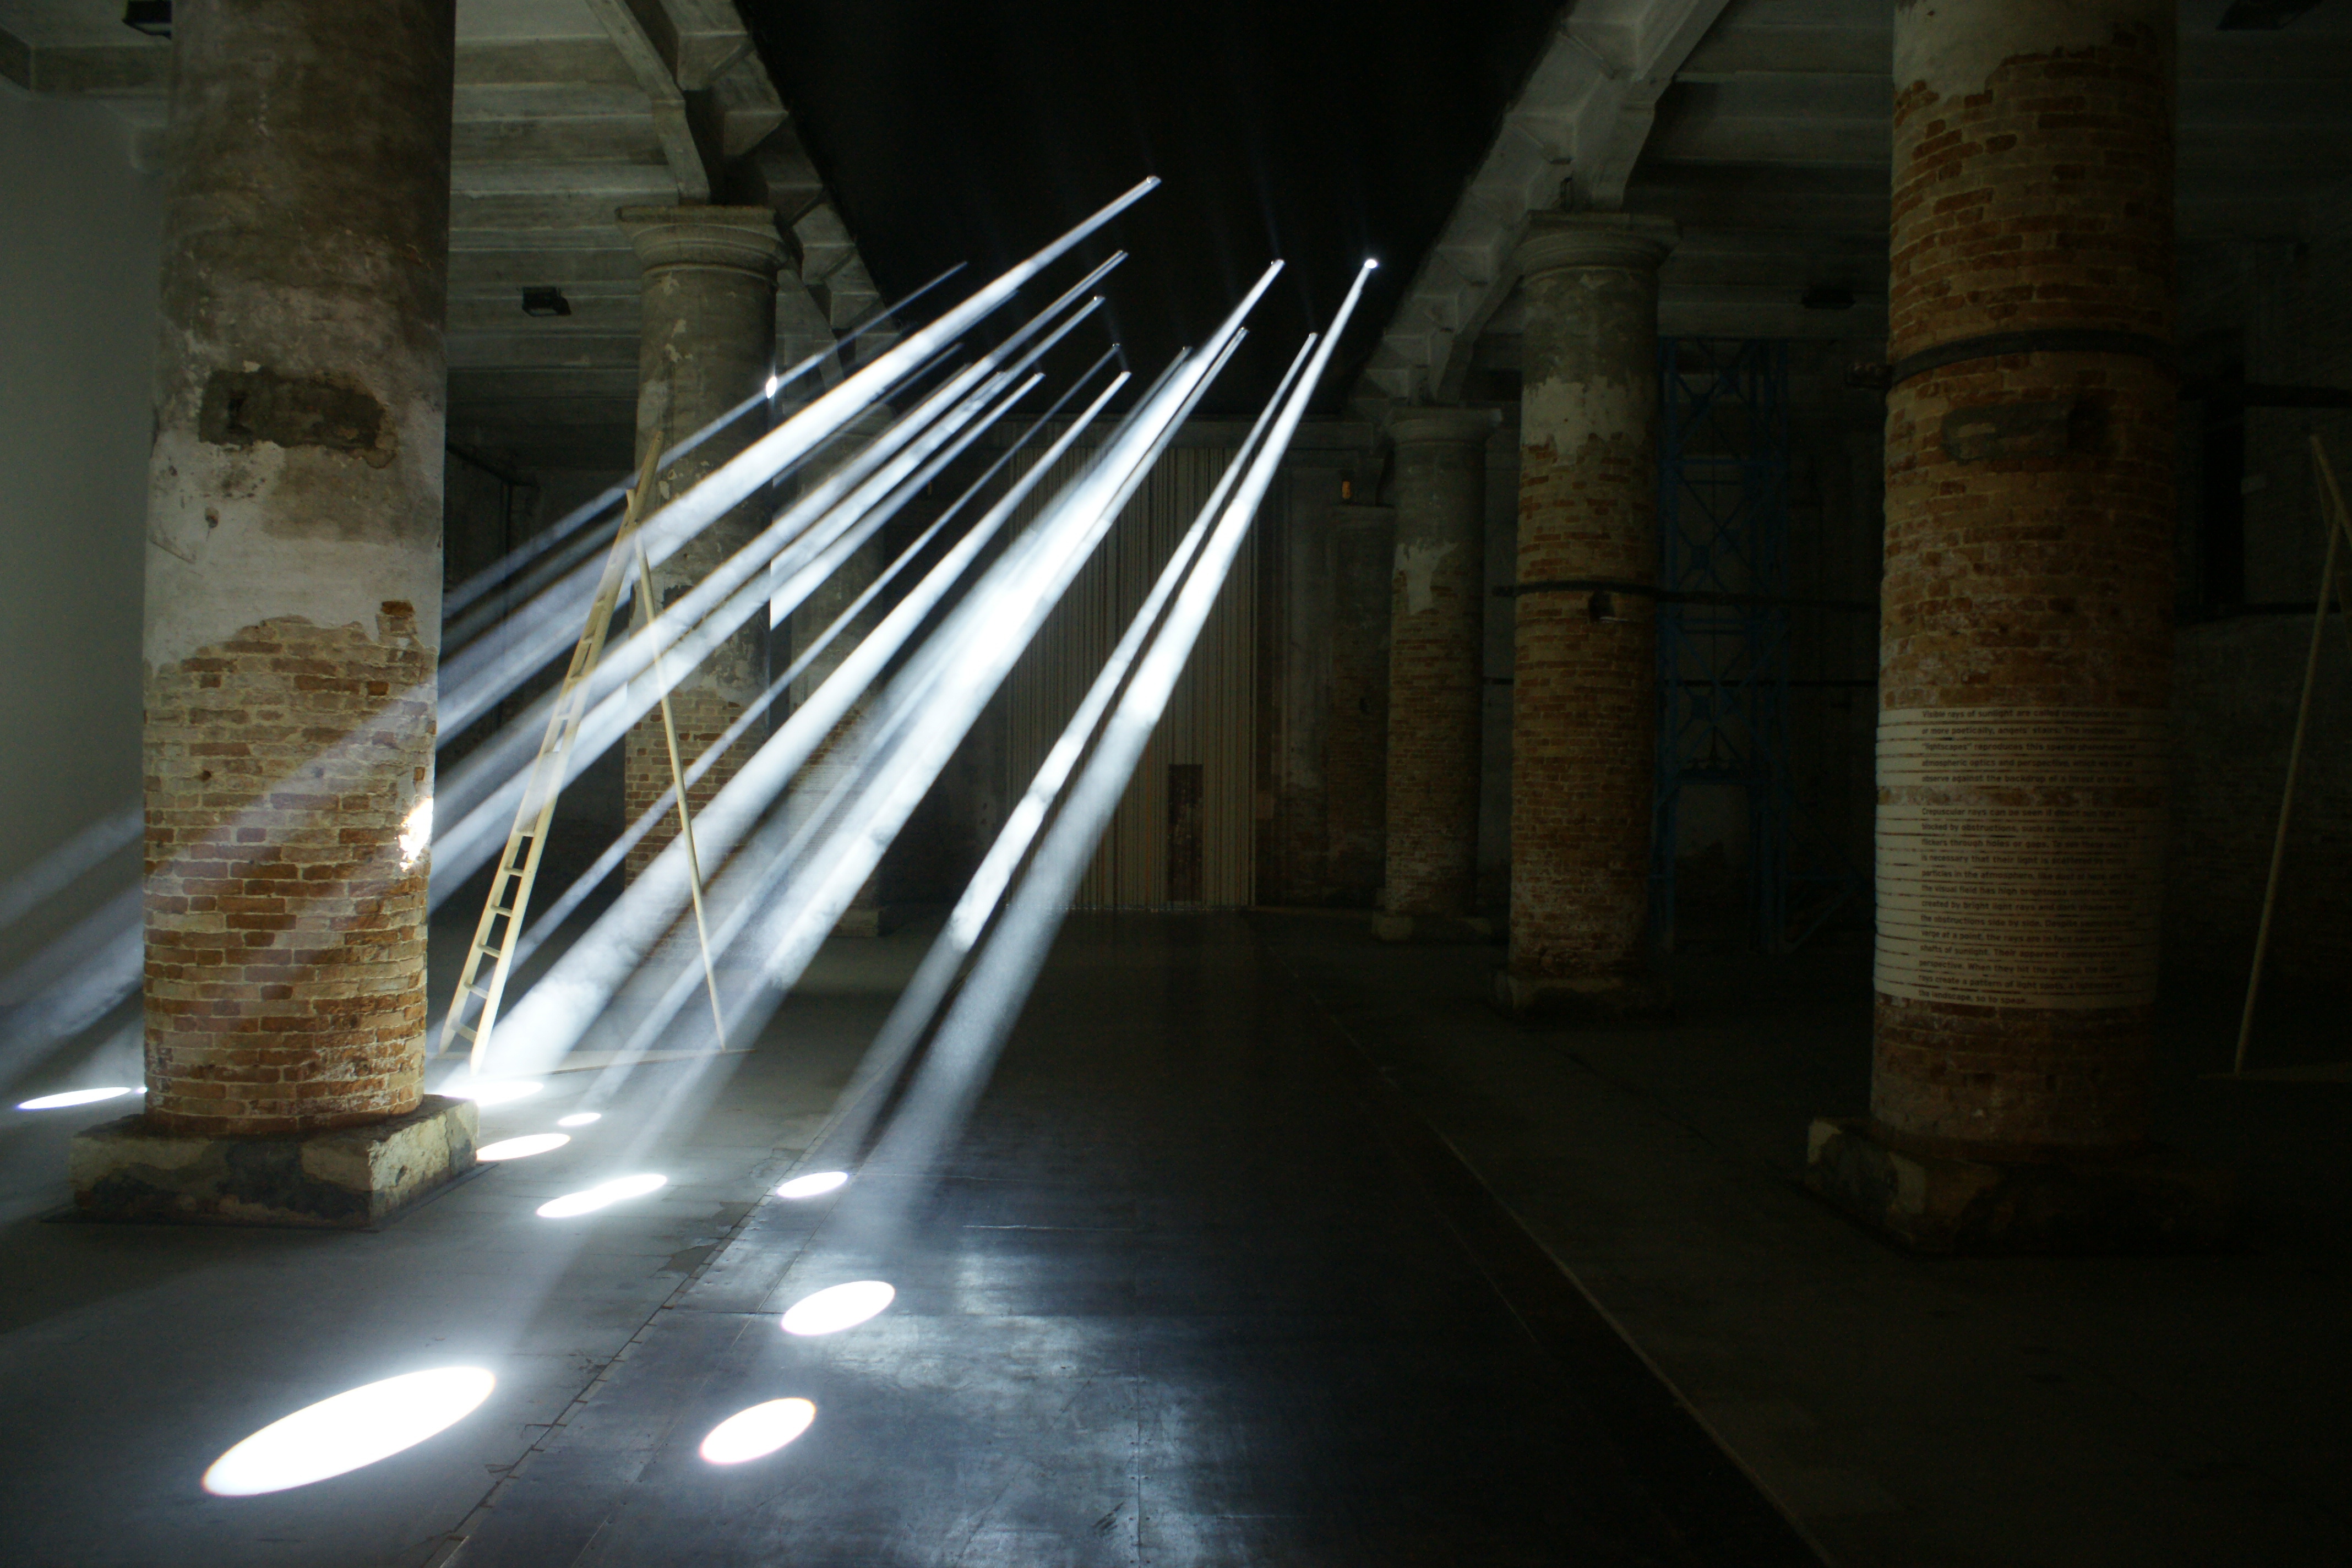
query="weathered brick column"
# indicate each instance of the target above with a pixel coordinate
(292, 616)
(1355, 740)
(2025, 646)
(709, 342)
(1436, 676)
(1584, 681)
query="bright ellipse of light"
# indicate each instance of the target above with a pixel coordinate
(774, 383)
(497, 1092)
(352, 1429)
(758, 1431)
(601, 1196)
(816, 1184)
(580, 1119)
(840, 1307)
(73, 1097)
(522, 1148)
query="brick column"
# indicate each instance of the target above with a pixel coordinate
(1355, 741)
(708, 342)
(1583, 695)
(1437, 678)
(2025, 644)
(292, 618)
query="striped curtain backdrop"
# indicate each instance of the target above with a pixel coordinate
(1182, 836)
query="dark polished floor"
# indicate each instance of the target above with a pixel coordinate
(1175, 1298)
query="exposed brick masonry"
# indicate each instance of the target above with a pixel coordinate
(285, 917)
(1437, 689)
(1584, 689)
(2037, 574)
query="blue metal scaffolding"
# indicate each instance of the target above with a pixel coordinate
(1722, 626)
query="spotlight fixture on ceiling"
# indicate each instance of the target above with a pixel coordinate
(152, 17)
(1829, 297)
(545, 302)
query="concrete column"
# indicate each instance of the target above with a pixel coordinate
(2025, 643)
(709, 342)
(1584, 698)
(1355, 740)
(1437, 678)
(292, 618)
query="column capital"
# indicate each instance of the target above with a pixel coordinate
(1633, 241)
(1415, 425)
(745, 239)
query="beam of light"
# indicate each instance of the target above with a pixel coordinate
(603, 1196)
(889, 759)
(580, 1119)
(920, 1000)
(353, 1429)
(850, 504)
(548, 919)
(471, 685)
(969, 1040)
(560, 1007)
(840, 1307)
(757, 1432)
(899, 749)
(491, 1091)
(74, 979)
(457, 598)
(73, 1097)
(522, 1148)
(815, 1184)
(62, 867)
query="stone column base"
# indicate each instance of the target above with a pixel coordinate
(347, 1179)
(1433, 928)
(2155, 1201)
(1587, 998)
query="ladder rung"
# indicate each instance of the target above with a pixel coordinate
(465, 1031)
(478, 991)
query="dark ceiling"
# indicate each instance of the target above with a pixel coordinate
(1319, 132)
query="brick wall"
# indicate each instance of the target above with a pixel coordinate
(1584, 694)
(284, 913)
(1356, 736)
(1436, 687)
(2033, 576)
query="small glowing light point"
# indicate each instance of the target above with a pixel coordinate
(354, 1428)
(580, 1119)
(522, 1148)
(416, 834)
(841, 1307)
(496, 1092)
(72, 1096)
(757, 1432)
(816, 1184)
(601, 1196)
(774, 383)
(1372, 263)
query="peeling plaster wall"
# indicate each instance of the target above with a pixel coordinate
(78, 289)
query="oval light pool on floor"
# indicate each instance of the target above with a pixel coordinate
(758, 1431)
(816, 1184)
(840, 1307)
(352, 1429)
(522, 1148)
(602, 1196)
(73, 1097)
(580, 1119)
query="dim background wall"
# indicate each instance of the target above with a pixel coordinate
(2275, 314)
(78, 272)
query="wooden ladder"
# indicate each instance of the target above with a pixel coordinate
(499, 932)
